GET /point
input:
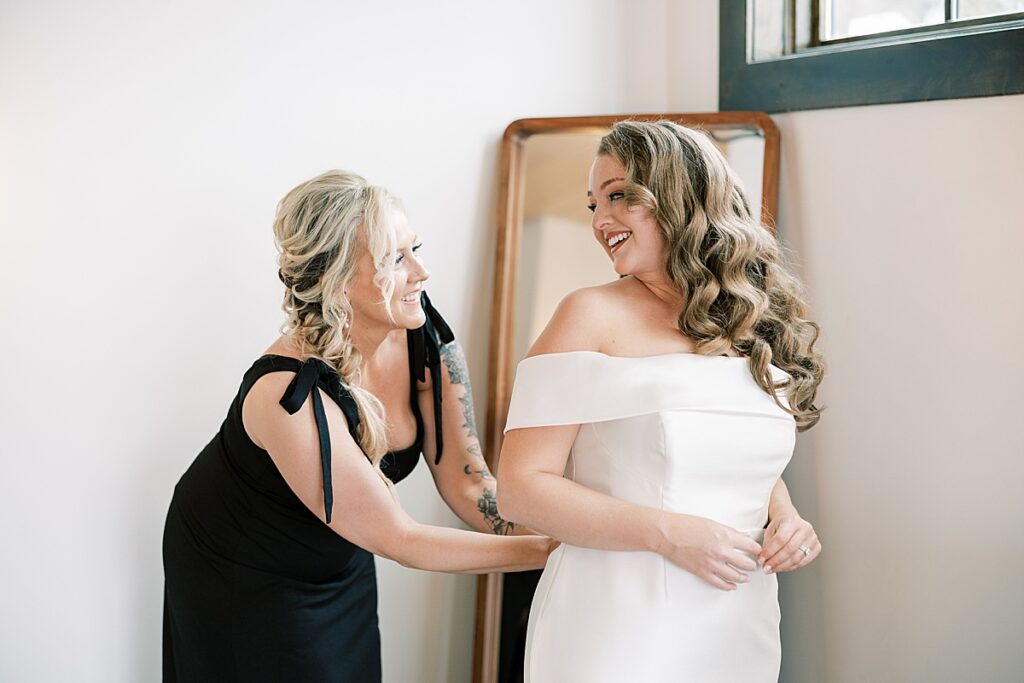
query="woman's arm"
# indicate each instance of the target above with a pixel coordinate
(462, 477)
(787, 535)
(366, 511)
(535, 493)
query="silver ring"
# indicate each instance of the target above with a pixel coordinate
(805, 550)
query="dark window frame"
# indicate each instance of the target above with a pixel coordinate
(937, 65)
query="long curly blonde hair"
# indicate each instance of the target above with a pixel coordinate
(316, 230)
(737, 288)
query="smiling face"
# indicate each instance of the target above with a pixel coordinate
(630, 235)
(407, 273)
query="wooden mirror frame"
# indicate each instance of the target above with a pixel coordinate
(500, 374)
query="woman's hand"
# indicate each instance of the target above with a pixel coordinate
(785, 541)
(542, 547)
(714, 552)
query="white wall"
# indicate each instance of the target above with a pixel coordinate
(144, 146)
(907, 222)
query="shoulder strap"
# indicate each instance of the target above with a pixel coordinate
(310, 375)
(425, 353)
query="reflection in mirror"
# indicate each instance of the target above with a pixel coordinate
(557, 250)
(546, 249)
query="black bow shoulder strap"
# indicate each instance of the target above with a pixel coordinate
(312, 374)
(425, 353)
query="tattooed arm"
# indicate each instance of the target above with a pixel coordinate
(462, 477)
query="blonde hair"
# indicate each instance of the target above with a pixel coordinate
(729, 268)
(316, 231)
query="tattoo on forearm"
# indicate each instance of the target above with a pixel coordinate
(459, 372)
(483, 472)
(455, 360)
(488, 505)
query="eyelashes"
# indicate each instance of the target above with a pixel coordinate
(611, 197)
(401, 257)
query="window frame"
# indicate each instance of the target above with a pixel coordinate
(944, 63)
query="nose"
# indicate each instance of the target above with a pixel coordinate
(420, 272)
(601, 220)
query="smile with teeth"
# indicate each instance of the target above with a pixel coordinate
(413, 298)
(618, 238)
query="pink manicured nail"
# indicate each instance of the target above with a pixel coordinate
(767, 569)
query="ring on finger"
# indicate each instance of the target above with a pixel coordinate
(805, 550)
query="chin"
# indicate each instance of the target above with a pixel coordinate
(412, 321)
(622, 268)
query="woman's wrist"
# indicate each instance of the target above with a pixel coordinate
(780, 504)
(656, 540)
(539, 549)
(780, 510)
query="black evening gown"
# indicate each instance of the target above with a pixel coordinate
(257, 587)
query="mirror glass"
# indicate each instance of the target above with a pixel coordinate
(557, 249)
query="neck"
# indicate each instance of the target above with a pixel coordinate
(662, 288)
(367, 340)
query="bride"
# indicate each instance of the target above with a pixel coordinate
(650, 425)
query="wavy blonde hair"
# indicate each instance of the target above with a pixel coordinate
(316, 230)
(730, 269)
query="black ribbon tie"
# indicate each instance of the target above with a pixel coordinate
(426, 353)
(313, 373)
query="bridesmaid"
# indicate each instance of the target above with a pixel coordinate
(270, 535)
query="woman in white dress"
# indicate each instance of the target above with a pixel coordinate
(650, 425)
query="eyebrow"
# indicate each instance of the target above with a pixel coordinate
(604, 185)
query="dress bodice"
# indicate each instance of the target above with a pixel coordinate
(682, 432)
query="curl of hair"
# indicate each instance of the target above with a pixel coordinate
(316, 231)
(730, 269)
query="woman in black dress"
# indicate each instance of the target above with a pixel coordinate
(270, 536)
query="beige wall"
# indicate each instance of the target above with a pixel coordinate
(908, 221)
(693, 56)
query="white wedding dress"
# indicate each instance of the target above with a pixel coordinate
(680, 432)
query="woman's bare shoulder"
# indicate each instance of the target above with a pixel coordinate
(582, 320)
(267, 423)
(262, 411)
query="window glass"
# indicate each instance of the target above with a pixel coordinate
(969, 9)
(848, 18)
(769, 29)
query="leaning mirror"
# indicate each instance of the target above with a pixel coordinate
(546, 249)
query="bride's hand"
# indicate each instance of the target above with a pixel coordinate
(785, 541)
(714, 552)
